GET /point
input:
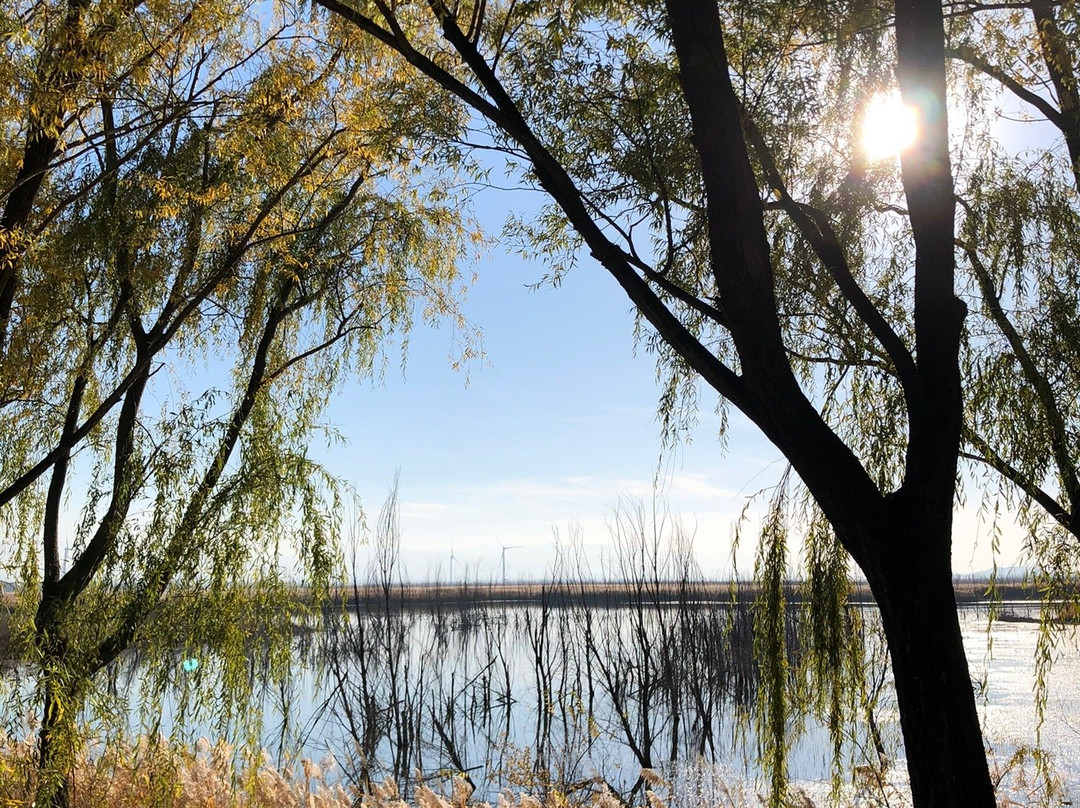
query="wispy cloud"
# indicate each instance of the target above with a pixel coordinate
(422, 509)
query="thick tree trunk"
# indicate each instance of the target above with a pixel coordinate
(942, 736)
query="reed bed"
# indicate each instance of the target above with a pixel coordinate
(552, 687)
(158, 774)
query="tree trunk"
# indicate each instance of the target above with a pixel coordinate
(53, 762)
(942, 736)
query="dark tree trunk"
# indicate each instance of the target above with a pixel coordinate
(942, 736)
(901, 539)
(53, 765)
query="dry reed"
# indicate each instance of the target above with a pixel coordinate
(152, 774)
(156, 774)
(149, 774)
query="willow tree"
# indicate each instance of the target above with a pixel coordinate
(1020, 245)
(707, 158)
(207, 222)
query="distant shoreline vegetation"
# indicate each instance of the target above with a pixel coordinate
(971, 591)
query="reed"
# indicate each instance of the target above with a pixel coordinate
(157, 774)
(550, 687)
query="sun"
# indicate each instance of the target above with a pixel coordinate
(889, 126)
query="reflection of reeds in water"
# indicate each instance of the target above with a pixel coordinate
(548, 687)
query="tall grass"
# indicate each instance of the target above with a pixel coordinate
(160, 775)
(155, 774)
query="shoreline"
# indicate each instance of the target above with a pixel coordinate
(973, 593)
(970, 593)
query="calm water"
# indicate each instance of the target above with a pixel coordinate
(517, 687)
(1002, 664)
(1007, 666)
(517, 647)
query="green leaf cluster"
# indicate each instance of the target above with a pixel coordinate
(213, 216)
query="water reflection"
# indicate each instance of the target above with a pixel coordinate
(575, 687)
(1003, 664)
(524, 696)
(584, 684)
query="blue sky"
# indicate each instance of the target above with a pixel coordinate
(558, 422)
(546, 433)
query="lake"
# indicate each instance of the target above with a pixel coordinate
(529, 694)
(525, 696)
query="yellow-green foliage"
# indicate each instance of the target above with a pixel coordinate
(212, 216)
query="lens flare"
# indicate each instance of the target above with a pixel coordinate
(889, 126)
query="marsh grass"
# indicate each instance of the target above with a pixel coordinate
(566, 689)
(547, 686)
(157, 774)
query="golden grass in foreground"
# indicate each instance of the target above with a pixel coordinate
(159, 775)
(152, 774)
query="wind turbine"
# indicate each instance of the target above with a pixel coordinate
(502, 558)
(453, 558)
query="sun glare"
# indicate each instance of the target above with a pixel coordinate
(889, 126)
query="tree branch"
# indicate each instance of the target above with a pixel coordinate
(742, 267)
(968, 55)
(1060, 59)
(818, 232)
(58, 78)
(926, 174)
(554, 179)
(174, 315)
(152, 588)
(988, 456)
(1059, 439)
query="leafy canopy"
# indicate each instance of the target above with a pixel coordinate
(709, 158)
(212, 214)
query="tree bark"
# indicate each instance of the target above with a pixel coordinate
(1059, 64)
(912, 584)
(53, 759)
